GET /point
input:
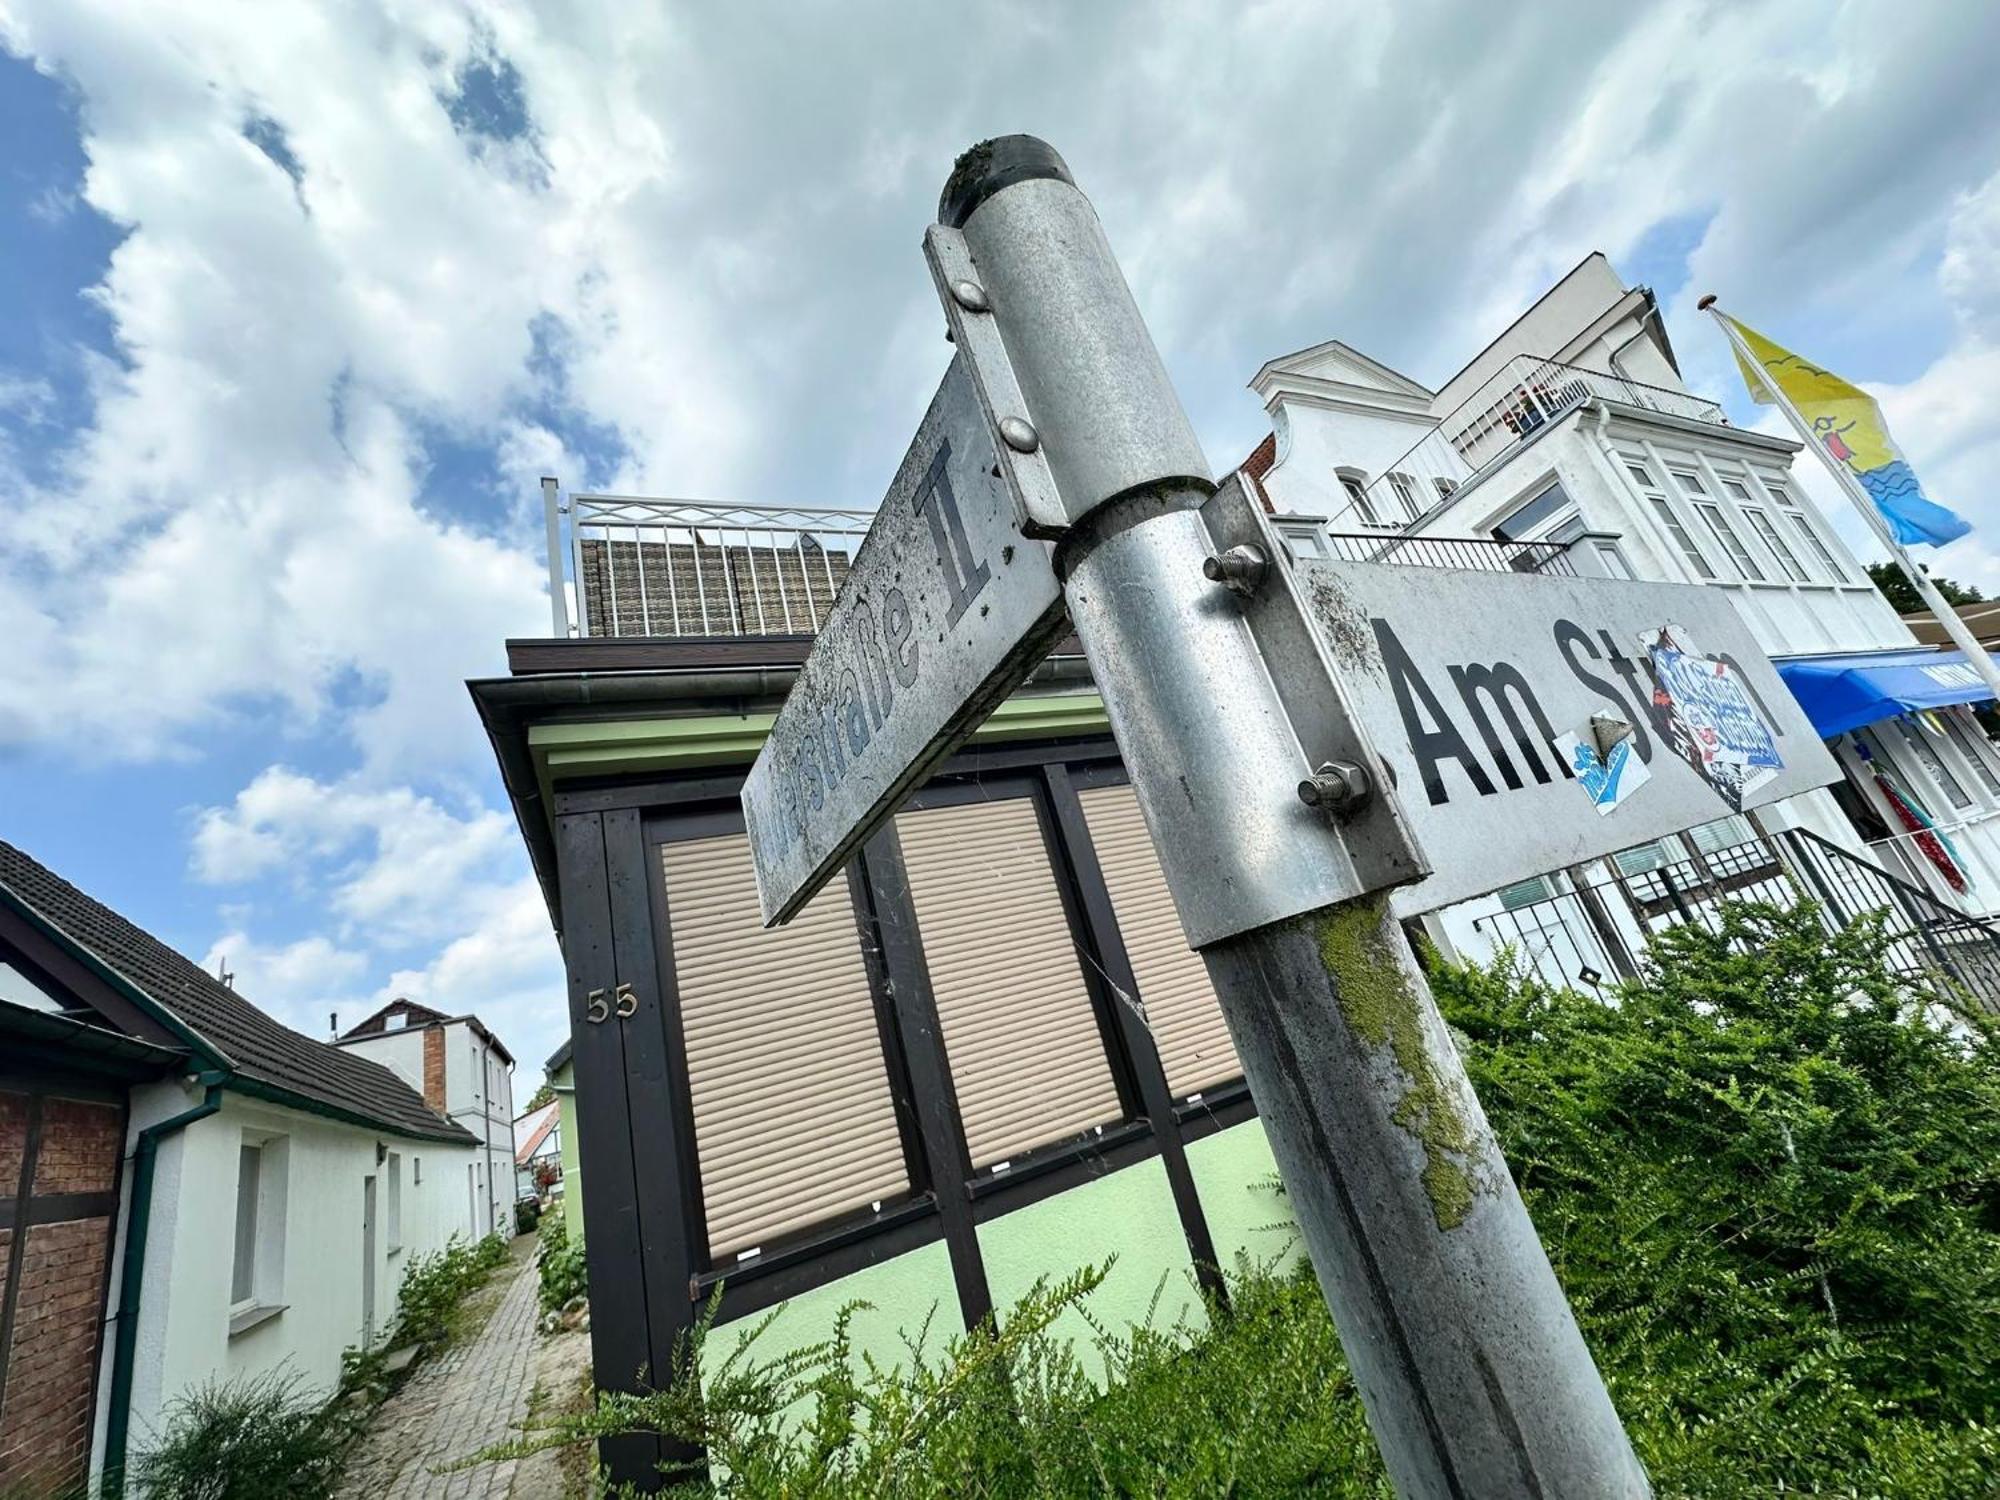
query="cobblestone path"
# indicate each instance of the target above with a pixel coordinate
(473, 1395)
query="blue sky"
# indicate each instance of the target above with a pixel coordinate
(297, 304)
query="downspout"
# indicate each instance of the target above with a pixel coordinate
(117, 1423)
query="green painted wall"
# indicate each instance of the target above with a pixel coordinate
(564, 1082)
(1129, 1214)
(902, 1291)
(1234, 1176)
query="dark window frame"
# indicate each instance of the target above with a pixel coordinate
(703, 802)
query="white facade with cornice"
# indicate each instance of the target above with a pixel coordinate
(1572, 432)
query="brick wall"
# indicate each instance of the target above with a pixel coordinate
(80, 1142)
(54, 1251)
(52, 1361)
(434, 1068)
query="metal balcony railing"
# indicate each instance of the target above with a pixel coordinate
(1516, 401)
(1472, 554)
(639, 567)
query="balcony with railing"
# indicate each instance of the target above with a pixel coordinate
(1517, 401)
(645, 567)
(627, 566)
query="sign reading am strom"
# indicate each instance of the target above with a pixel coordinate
(1467, 681)
(946, 610)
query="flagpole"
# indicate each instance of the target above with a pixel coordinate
(1941, 609)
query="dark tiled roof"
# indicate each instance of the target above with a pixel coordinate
(378, 1024)
(258, 1048)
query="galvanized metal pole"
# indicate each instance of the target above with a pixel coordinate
(1476, 1380)
(558, 601)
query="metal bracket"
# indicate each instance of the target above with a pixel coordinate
(1380, 843)
(968, 311)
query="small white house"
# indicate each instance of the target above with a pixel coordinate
(211, 1195)
(466, 1075)
(537, 1143)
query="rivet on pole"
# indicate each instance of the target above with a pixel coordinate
(1020, 434)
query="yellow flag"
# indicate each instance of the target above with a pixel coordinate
(1848, 425)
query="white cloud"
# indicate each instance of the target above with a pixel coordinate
(508, 969)
(395, 867)
(299, 983)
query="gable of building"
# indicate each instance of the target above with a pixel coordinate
(223, 1031)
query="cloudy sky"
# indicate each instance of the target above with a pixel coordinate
(297, 302)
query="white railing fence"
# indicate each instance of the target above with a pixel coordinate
(1517, 400)
(646, 567)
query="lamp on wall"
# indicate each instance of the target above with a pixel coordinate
(381, 1153)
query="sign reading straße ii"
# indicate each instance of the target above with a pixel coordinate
(945, 612)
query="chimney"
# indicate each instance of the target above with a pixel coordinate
(333, 1025)
(434, 1067)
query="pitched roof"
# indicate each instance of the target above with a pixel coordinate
(416, 1017)
(253, 1047)
(539, 1123)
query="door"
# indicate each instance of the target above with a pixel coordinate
(368, 1262)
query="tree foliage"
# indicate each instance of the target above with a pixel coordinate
(1765, 1172)
(1902, 594)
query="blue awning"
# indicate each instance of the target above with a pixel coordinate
(1846, 691)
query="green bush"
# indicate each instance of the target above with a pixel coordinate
(248, 1439)
(559, 1264)
(527, 1214)
(435, 1286)
(1765, 1172)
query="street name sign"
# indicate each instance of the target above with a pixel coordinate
(1498, 702)
(947, 609)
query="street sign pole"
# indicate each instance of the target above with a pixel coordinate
(1476, 1380)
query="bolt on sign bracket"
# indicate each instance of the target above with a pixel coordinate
(1381, 848)
(968, 311)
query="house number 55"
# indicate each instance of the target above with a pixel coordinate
(599, 1006)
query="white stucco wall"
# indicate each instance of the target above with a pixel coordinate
(402, 1052)
(1322, 441)
(183, 1330)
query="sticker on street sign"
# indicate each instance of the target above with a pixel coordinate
(1479, 690)
(947, 610)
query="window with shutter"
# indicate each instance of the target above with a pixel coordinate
(1020, 1031)
(793, 1122)
(1181, 1009)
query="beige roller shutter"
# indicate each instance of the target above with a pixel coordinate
(792, 1118)
(1181, 1008)
(1027, 1058)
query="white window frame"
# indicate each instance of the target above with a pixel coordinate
(1405, 491)
(1673, 527)
(1774, 543)
(1799, 512)
(1709, 508)
(1355, 483)
(267, 1205)
(393, 1196)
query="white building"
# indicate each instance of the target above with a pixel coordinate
(1570, 444)
(466, 1075)
(211, 1195)
(538, 1144)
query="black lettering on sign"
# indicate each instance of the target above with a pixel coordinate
(1649, 712)
(896, 626)
(1429, 745)
(964, 575)
(874, 666)
(1496, 683)
(1572, 638)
